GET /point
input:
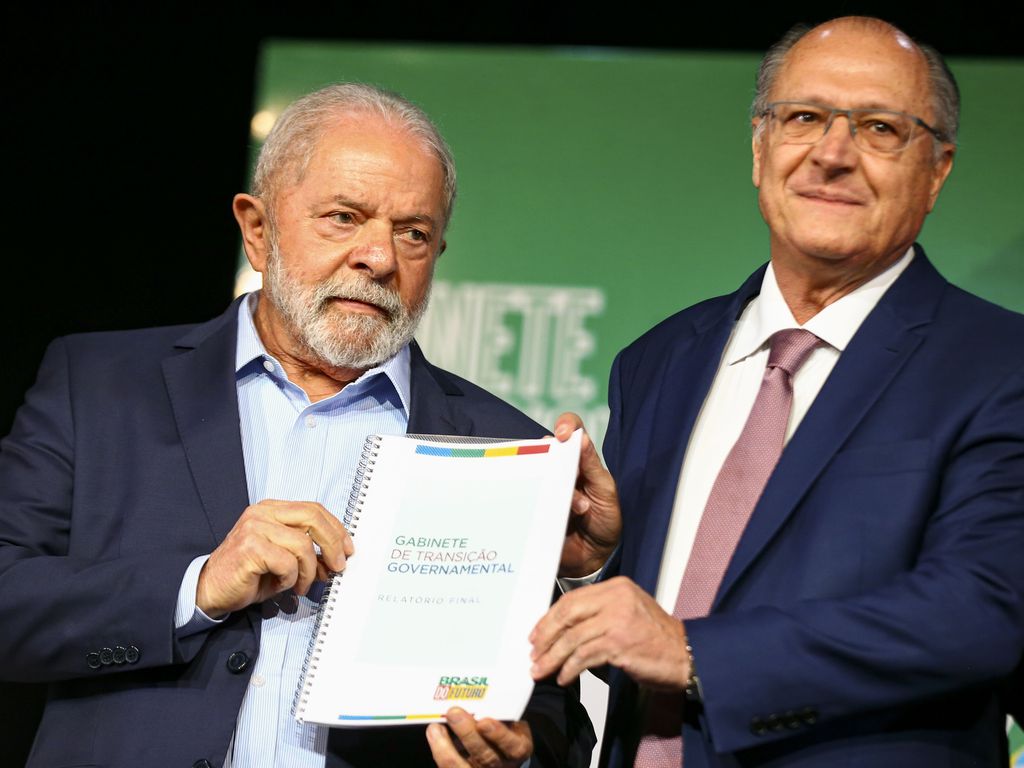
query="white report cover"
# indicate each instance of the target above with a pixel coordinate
(456, 551)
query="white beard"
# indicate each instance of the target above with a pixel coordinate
(342, 339)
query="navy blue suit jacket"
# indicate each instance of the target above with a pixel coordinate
(124, 464)
(875, 602)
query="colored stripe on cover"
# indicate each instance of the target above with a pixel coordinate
(390, 717)
(480, 453)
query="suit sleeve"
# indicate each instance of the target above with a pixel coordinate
(952, 621)
(63, 600)
(561, 730)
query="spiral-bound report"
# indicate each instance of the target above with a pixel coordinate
(456, 551)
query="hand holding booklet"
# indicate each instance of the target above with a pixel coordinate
(457, 549)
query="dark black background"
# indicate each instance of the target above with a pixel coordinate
(126, 136)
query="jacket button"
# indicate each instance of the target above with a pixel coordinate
(93, 660)
(757, 727)
(106, 656)
(774, 723)
(119, 653)
(791, 720)
(204, 763)
(131, 654)
(238, 662)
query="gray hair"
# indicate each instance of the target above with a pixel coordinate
(292, 141)
(945, 92)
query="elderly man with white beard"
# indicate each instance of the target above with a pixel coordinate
(162, 490)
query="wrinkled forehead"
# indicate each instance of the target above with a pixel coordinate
(362, 144)
(385, 140)
(857, 65)
(370, 131)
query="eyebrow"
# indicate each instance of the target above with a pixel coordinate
(422, 217)
(361, 206)
(345, 201)
(875, 105)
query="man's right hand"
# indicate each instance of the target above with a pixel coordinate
(270, 549)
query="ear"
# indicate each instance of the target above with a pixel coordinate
(941, 169)
(757, 146)
(444, 244)
(251, 215)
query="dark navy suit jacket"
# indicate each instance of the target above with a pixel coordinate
(875, 603)
(125, 463)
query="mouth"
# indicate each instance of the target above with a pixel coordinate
(358, 306)
(829, 197)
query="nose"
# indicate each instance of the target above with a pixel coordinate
(836, 148)
(375, 252)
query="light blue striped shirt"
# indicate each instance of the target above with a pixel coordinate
(299, 451)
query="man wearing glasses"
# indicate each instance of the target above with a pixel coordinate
(821, 476)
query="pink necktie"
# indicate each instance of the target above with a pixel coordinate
(733, 497)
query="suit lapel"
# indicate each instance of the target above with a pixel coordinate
(431, 407)
(200, 382)
(876, 353)
(684, 383)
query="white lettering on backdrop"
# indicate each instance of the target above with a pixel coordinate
(524, 343)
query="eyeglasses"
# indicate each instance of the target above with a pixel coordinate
(874, 130)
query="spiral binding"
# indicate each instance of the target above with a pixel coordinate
(353, 510)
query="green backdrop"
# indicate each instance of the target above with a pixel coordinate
(601, 190)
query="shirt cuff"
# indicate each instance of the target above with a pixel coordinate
(189, 618)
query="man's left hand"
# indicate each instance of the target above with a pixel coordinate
(614, 622)
(483, 743)
(596, 520)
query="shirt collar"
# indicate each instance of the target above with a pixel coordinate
(249, 352)
(835, 324)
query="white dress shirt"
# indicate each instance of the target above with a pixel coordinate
(732, 395)
(304, 451)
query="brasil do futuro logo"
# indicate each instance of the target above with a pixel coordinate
(449, 688)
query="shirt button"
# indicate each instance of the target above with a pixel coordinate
(268, 365)
(310, 422)
(257, 681)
